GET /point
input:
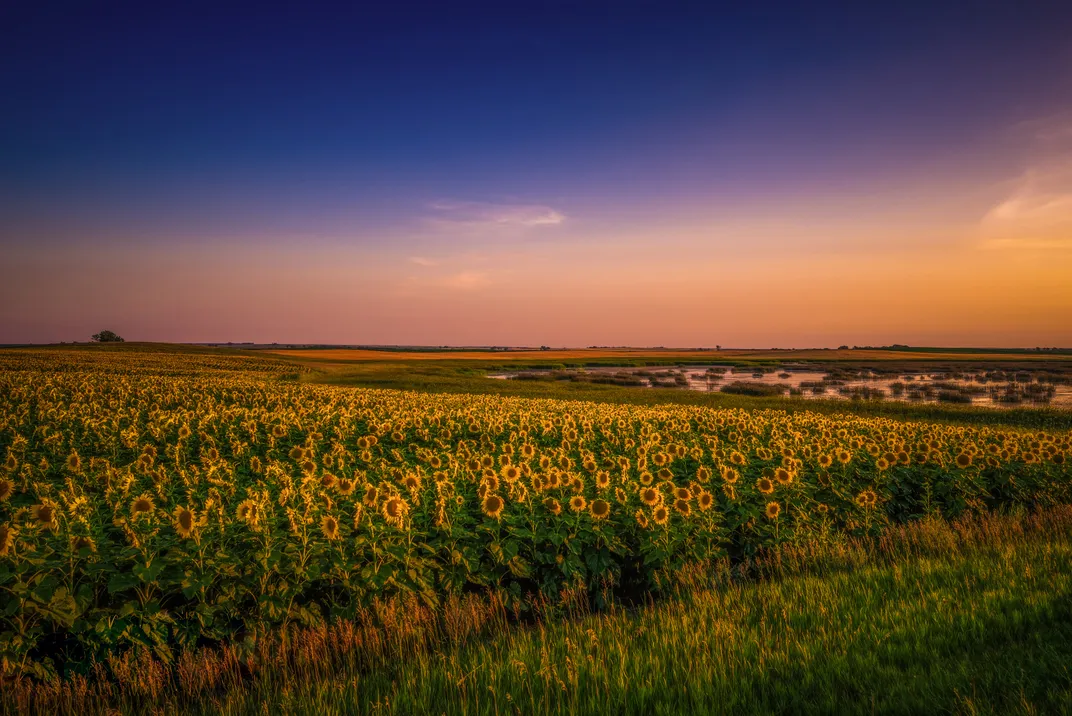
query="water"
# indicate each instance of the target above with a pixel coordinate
(805, 382)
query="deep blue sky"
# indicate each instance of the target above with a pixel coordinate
(133, 116)
(451, 152)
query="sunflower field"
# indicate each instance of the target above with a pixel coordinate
(169, 501)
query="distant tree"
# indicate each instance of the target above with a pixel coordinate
(107, 337)
(843, 348)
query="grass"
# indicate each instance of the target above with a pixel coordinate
(470, 376)
(971, 617)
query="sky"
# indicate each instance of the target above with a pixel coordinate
(530, 173)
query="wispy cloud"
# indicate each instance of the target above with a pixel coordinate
(477, 213)
(422, 261)
(1036, 213)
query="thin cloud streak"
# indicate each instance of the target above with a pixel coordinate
(1037, 213)
(475, 213)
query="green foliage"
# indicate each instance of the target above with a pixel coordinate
(164, 500)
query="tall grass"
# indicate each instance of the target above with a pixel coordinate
(973, 616)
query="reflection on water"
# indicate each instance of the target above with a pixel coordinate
(990, 388)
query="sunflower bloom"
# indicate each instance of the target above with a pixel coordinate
(492, 505)
(44, 515)
(142, 504)
(600, 509)
(395, 510)
(7, 539)
(185, 522)
(83, 543)
(765, 485)
(704, 500)
(577, 503)
(773, 510)
(330, 527)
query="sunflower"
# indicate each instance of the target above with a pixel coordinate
(83, 543)
(510, 473)
(704, 500)
(553, 505)
(641, 519)
(372, 496)
(882, 464)
(7, 489)
(661, 515)
(765, 485)
(330, 527)
(412, 482)
(682, 506)
(603, 480)
(577, 503)
(436, 462)
(646, 478)
(650, 496)
(142, 504)
(737, 458)
(964, 460)
(45, 515)
(600, 509)
(327, 480)
(492, 505)
(185, 521)
(822, 508)
(74, 462)
(247, 511)
(773, 510)
(867, 498)
(783, 476)
(844, 456)
(7, 539)
(825, 460)
(682, 493)
(620, 495)
(491, 483)
(345, 486)
(184, 432)
(730, 476)
(703, 474)
(395, 510)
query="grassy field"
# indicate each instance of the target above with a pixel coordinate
(971, 617)
(445, 373)
(190, 529)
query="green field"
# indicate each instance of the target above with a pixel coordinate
(189, 529)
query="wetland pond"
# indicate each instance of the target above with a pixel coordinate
(991, 387)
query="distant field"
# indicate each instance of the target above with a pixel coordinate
(641, 354)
